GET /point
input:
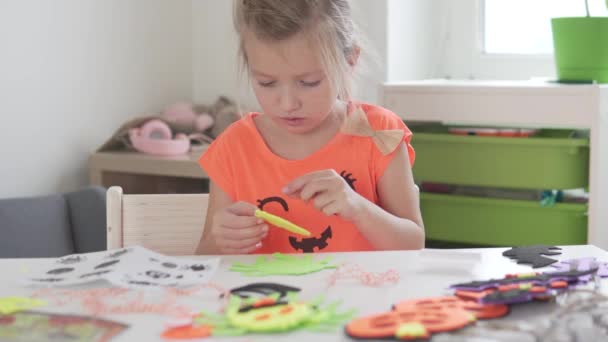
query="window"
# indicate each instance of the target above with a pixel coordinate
(524, 26)
(501, 39)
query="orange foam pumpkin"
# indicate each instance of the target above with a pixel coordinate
(480, 311)
(409, 323)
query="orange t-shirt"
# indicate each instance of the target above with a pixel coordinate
(242, 165)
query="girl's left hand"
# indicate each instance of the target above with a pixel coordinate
(328, 191)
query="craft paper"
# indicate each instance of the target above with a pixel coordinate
(130, 267)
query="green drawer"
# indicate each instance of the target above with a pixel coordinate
(502, 222)
(550, 160)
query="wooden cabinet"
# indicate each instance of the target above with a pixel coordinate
(139, 173)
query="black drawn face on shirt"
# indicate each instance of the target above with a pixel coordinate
(308, 245)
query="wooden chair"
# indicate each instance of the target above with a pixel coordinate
(170, 224)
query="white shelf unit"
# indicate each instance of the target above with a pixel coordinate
(537, 104)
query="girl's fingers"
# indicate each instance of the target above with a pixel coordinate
(233, 221)
(315, 187)
(242, 209)
(297, 184)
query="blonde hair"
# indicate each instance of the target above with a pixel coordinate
(327, 23)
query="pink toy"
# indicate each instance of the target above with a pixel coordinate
(155, 137)
(183, 118)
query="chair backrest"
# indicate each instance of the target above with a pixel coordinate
(171, 224)
(50, 226)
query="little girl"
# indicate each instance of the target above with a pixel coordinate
(339, 168)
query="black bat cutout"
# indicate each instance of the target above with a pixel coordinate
(307, 245)
(533, 255)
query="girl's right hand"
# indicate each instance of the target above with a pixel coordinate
(236, 230)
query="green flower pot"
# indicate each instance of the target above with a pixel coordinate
(581, 48)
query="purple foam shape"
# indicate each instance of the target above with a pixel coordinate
(583, 264)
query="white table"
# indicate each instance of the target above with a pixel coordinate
(415, 282)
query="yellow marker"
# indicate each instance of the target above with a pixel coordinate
(281, 222)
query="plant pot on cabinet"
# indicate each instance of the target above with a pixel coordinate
(581, 48)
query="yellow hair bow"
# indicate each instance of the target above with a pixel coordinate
(386, 140)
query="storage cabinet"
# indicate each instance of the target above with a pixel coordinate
(502, 222)
(553, 159)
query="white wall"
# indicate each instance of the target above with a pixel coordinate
(413, 44)
(71, 71)
(214, 52)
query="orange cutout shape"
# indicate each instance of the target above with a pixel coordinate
(387, 324)
(188, 332)
(480, 311)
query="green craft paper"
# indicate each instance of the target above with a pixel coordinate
(328, 318)
(9, 305)
(282, 264)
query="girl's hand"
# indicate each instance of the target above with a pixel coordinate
(328, 191)
(236, 230)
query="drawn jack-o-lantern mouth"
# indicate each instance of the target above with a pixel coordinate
(308, 245)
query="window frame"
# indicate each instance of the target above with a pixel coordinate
(465, 58)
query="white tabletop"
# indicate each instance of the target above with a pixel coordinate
(418, 279)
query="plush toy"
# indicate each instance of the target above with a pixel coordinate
(184, 119)
(173, 131)
(224, 112)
